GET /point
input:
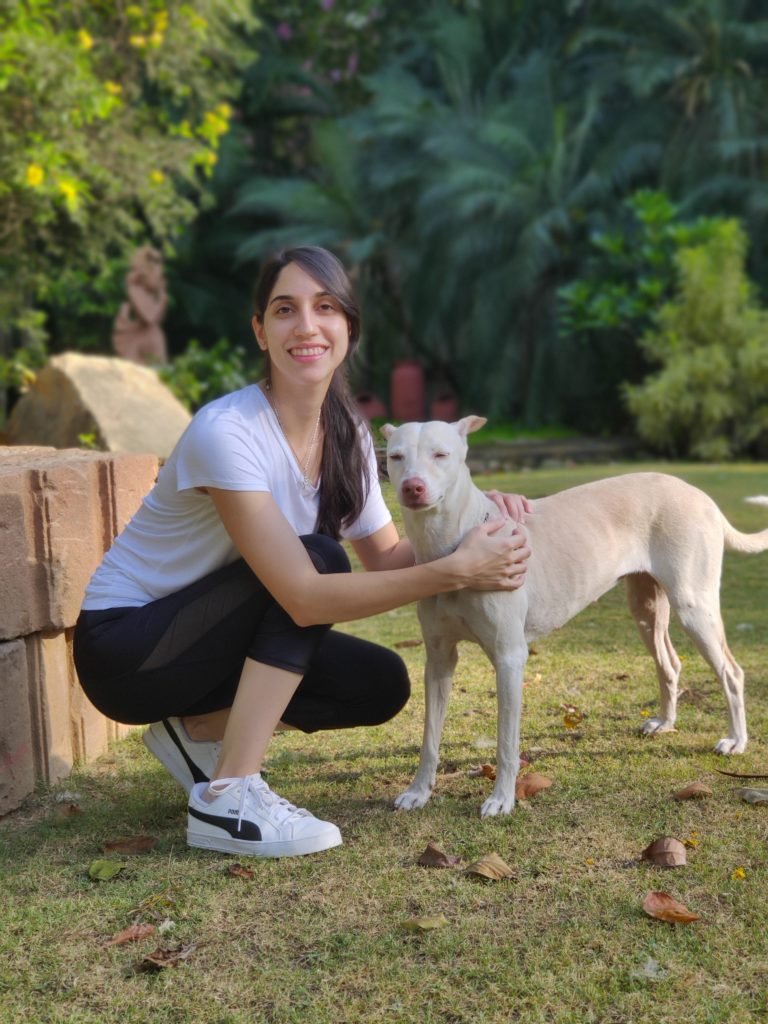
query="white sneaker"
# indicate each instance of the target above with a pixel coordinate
(247, 818)
(189, 761)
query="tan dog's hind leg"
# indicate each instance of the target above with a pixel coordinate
(649, 605)
(701, 620)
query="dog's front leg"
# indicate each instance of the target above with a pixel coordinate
(510, 667)
(438, 676)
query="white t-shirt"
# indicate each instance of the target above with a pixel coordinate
(176, 536)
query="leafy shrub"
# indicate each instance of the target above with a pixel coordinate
(709, 400)
(629, 273)
(631, 268)
(198, 375)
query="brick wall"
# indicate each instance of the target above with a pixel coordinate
(59, 511)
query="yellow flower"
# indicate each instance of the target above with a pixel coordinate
(215, 124)
(113, 88)
(157, 177)
(85, 39)
(35, 175)
(138, 41)
(224, 110)
(738, 874)
(69, 189)
(161, 21)
(211, 158)
(156, 39)
(134, 11)
(197, 21)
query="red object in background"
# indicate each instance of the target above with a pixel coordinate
(371, 406)
(445, 406)
(407, 391)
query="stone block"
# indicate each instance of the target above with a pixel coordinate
(124, 481)
(67, 728)
(17, 750)
(126, 407)
(59, 512)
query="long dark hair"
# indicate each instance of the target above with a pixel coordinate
(344, 484)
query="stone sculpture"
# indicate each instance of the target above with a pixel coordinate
(137, 334)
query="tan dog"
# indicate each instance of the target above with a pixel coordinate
(664, 538)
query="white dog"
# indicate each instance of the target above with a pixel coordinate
(664, 538)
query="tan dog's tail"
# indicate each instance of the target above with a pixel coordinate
(748, 543)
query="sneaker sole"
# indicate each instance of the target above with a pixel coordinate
(288, 848)
(171, 759)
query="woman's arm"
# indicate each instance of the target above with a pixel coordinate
(269, 545)
(384, 549)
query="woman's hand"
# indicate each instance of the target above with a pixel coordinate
(491, 561)
(514, 506)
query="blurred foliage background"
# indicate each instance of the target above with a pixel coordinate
(558, 206)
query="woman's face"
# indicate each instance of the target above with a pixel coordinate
(304, 328)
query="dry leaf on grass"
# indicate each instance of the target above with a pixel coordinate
(665, 853)
(491, 867)
(664, 907)
(693, 791)
(572, 716)
(486, 771)
(239, 871)
(425, 924)
(133, 933)
(434, 857)
(68, 810)
(159, 959)
(131, 846)
(102, 870)
(400, 644)
(753, 796)
(529, 785)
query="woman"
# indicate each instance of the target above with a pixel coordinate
(209, 615)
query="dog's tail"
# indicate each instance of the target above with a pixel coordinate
(748, 543)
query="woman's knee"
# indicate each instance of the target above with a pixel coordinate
(328, 556)
(394, 690)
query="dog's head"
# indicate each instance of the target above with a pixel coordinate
(425, 459)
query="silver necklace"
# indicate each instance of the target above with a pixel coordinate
(303, 466)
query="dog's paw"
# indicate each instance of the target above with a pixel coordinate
(498, 804)
(654, 726)
(729, 745)
(411, 800)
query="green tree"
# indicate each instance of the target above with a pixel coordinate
(689, 81)
(110, 120)
(628, 271)
(490, 172)
(710, 397)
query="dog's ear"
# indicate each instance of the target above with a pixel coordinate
(469, 424)
(387, 431)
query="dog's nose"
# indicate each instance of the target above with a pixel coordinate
(413, 488)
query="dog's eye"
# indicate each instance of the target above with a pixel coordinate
(396, 456)
(441, 455)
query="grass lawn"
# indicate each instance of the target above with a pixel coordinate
(320, 939)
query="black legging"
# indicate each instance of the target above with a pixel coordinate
(183, 654)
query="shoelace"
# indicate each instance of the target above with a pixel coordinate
(257, 785)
